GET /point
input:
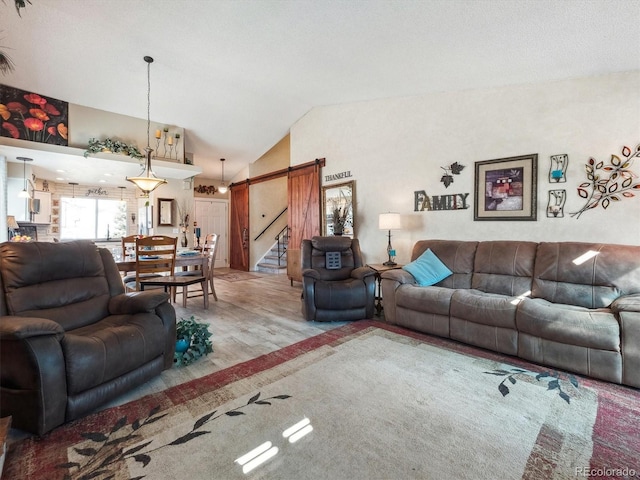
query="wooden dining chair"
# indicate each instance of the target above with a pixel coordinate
(210, 248)
(157, 255)
(128, 243)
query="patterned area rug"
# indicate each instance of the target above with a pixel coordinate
(375, 402)
(236, 276)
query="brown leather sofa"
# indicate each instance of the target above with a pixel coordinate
(70, 338)
(344, 291)
(545, 302)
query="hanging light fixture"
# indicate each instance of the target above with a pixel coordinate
(25, 192)
(73, 189)
(147, 180)
(223, 186)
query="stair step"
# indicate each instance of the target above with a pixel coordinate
(274, 259)
(270, 268)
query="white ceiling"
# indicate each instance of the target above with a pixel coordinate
(237, 74)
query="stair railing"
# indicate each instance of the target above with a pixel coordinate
(272, 222)
(283, 240)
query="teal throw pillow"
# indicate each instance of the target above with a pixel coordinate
(427, 269)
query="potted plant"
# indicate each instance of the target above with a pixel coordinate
(339, 218)
(192, 341)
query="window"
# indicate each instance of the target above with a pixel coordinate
(92, 218)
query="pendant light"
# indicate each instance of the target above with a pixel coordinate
(223, 186)
(147, 180)
(25, 192)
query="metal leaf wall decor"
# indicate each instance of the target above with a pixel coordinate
(607, 183)
(207, 189)
(453, 169)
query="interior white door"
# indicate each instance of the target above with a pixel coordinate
(212, 217)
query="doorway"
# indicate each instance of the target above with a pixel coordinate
(213, 217)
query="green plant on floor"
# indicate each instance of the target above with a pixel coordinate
(195, 336)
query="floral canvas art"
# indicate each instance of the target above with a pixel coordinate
(30, 116)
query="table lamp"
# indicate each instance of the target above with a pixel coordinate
(12, 225)
(389, 221)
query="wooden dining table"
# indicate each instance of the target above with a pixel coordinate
(128, 264)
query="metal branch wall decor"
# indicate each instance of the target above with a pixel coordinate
(608, 183)
(208, 189)
(453, 169)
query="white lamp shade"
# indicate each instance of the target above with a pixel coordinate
(147, 184)
(11, 222)
(389, 221)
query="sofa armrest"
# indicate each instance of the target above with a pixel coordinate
(399, 275)
(627, 303)
(137, 302)
(362, 272)
(627, 309)
(391, 281)
(311, 273)
(19, 328)
(33, 372)
(630, 347)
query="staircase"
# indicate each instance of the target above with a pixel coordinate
(270, 263)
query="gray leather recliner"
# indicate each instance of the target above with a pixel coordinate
(70, 338)
(336, 287)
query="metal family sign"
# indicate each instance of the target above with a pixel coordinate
(455, 201)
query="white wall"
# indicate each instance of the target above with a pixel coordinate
(396, 146)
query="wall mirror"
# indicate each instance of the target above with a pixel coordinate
(165, 215)
(338, 204)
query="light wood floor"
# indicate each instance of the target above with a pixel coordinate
(250, 318)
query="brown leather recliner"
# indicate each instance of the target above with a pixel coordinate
(337, 290)
(70, 338)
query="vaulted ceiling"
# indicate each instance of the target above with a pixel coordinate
(237, 74)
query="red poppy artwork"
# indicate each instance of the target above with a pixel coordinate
(29, 116)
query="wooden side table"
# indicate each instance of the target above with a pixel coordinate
(379, 268)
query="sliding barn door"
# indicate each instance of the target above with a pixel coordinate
(303, 213)
(239, 227)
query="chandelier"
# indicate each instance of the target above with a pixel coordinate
(147, 180)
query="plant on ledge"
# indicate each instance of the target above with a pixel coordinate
(192, 341)
(113, 146)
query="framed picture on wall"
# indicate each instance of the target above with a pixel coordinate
(505, 188)
(30, 116)
(165, 212)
